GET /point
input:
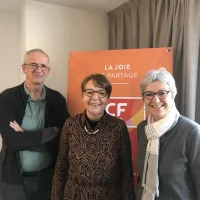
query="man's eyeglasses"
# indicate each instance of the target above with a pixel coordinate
(161, 94)
(90, 93)
(35, 66)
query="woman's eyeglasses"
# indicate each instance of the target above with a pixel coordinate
(161, 94)
(90, 93)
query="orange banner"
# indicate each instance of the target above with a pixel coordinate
(124, 69)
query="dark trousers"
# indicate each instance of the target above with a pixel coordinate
(12, 192)
(33, 188)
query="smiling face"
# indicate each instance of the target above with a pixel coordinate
(158, 108)
(94, 105)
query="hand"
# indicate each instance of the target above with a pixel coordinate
(56, 129)
(16, 126)
(50, 133)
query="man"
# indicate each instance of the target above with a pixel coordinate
(31, 118)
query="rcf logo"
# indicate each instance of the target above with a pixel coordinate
(129, 109)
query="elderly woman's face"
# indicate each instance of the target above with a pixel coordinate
(95, 100)
(157, 107)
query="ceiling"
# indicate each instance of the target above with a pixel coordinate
(99, 5)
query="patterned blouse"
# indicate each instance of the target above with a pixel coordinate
(94, 166)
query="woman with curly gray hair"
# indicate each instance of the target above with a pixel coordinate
(169, 144)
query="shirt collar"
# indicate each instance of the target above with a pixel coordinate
(43, 96)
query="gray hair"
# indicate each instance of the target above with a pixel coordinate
(161, 75)
(35, 50)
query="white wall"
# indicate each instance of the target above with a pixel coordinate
(58, 30)
(9, 50)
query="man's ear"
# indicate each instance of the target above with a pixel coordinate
(23, 68)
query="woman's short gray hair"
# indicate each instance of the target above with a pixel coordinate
(161, 75)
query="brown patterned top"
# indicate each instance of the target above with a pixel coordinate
(94, 167)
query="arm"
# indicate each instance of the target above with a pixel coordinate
(194, 160)
(60, 115)
(18, 128)
(126, 162)
(19, 140)
(63, 112)
(62, 165)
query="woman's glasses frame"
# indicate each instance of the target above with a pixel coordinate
(161, 94)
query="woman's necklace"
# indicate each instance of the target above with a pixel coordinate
(91, 133)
